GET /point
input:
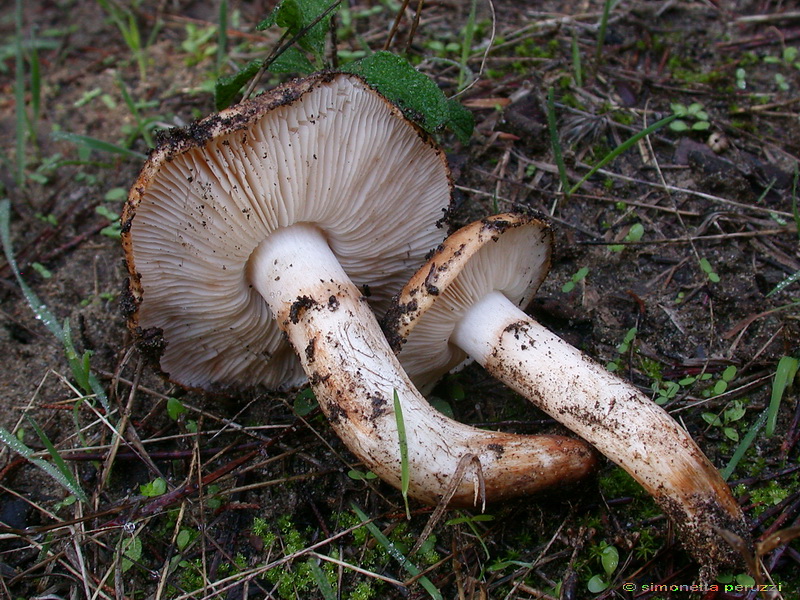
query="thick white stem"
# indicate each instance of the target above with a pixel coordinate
(355, 375)
(605, 410)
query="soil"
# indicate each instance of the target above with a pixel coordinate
(686, 237)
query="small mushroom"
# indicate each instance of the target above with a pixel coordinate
(266, 222)
(465, 302)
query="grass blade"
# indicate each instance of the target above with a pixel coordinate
(95, 144)
(19, 98)
(744, 445)
(222, 35)
(68, 483)
(784, 376)
(321, 580)
(39, 308)
(396, 554)
(58, 462)
(405, 475)
(784, 284)
(466, 45)
(601, 33)
(43, 313)
(631, 141)
(576, 60)
(555, 142)
(795, 209)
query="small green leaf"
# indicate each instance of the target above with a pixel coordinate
(635, 233)
(609, 558)
(745, 580)
(694, 109)
(729, 373)
(157, 487)
(43, 271)
(679, 109)
(701, 126)
(175, 408)
(720, 387)
(679, 126)
(226, 88)
(131, 551)
(735, 412)
(185, 536)
(731, 433)
(297, 15)
(460, 121)
(443, 406)
(358, 475)
(305, 402)
(116, 194)
(292, 60)
(414, 93)
(712, 419)
(597, 584)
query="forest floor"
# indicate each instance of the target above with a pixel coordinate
(676, 263)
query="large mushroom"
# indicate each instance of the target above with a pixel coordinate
(465, 302)
(264, 223)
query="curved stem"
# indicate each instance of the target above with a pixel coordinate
(608, 412)
(355, 374)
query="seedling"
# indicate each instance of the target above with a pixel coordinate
(198, 44)
(609, 559)
(634, 235)
(114, 229)
(154, 488)
(577, 277)
(665, 391)
(741, 78)
(359, 475)
(689, 118)
(175, 408)
(788, 57)
(709, 271)
(730, 415)
(43, 271)
(126, 23)
(622, 348)
(742, 579)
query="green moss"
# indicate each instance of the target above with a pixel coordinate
(769, 495)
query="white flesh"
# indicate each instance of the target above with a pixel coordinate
(355, 374)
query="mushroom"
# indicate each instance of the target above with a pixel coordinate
(264, 223)
(465, 302)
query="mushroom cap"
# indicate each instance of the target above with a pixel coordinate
(328, 151)
(508, 253)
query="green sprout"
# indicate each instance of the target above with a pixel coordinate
(689, 118)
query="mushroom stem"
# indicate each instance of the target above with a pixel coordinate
(608, 412)
(355, 375)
